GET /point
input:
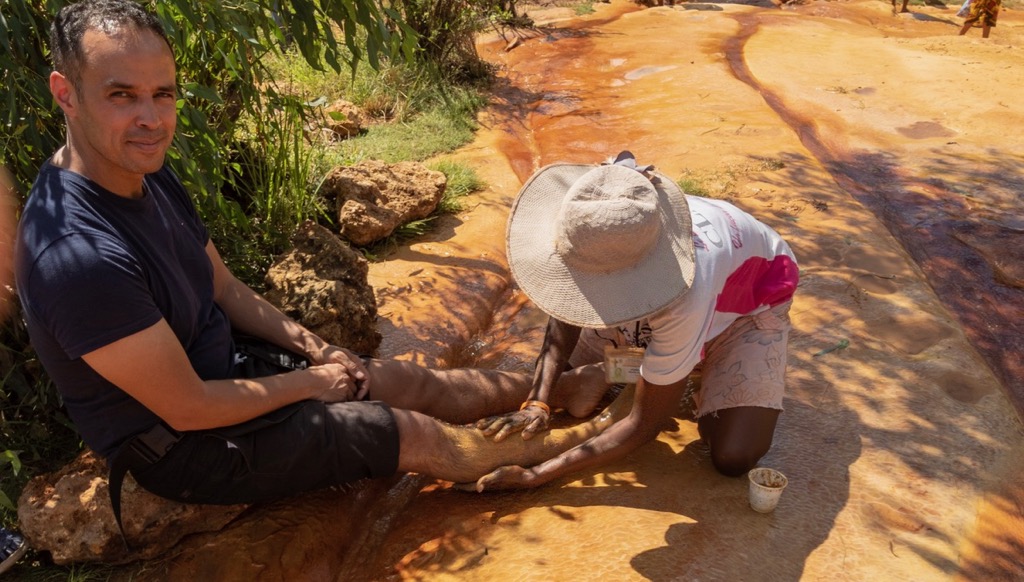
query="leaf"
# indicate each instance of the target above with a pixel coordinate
(202, 92)
(842, 345)
(11, 457)
(5, 501)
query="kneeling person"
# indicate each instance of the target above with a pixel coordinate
(636, 275)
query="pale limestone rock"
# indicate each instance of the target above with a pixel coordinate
(68, 514)
(374, 198)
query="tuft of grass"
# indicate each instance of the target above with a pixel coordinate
(768, 165)
(721, 182)
(694, 187)
(584, 8)
(462, 181)
(431, 133)
(379, 250)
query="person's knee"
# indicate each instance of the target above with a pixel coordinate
(734, 459)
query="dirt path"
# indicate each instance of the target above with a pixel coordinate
(902, 449)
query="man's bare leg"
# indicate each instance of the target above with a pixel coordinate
(465, 395)
(463, 454)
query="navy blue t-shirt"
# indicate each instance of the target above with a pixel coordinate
(93, 267)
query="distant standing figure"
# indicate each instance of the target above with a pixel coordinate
(984, 12)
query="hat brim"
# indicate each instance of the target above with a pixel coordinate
(589, 299)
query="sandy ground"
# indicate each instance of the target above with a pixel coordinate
(903, 450)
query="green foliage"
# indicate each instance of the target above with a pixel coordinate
(30, 125)
(446, 31)
(35, 432)
(239, 147)
(694, 187)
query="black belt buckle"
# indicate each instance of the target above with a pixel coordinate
(153, 444)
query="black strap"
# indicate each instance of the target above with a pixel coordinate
(138, 452)
(269, 353)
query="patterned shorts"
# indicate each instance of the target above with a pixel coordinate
(745, 365)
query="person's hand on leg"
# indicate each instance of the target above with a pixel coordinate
(532, 419)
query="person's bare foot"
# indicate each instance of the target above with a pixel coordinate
(584, 388)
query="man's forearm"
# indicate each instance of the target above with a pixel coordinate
(252, 314)
(228, 402)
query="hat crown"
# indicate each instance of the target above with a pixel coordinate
(608, 221)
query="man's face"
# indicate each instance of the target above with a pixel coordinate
(121, 116)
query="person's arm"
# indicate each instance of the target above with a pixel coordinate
(560, 340)
(250, 313)
(652, 407)
(152, 367)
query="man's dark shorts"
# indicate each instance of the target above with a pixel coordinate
(305, 446)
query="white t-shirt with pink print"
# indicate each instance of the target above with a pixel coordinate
(743, 267)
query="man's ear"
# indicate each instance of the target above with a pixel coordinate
(63, 93)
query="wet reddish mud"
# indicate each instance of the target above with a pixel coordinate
(857, 134)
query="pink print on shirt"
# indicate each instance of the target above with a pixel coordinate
(701, 223)
(759, 281)
(734, 231)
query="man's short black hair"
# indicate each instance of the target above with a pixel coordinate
(106, 16)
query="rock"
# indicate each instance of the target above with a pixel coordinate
(68, 513)
(344, 119)
(321, 283)
(374, 198)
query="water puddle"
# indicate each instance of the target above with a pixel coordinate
(926, 129)
(646, 71)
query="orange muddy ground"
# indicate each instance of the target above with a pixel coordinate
(904, 451)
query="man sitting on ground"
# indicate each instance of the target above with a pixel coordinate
(132, 312)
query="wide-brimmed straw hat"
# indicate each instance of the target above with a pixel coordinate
(597, 246)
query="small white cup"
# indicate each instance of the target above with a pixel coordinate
(766, 487)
